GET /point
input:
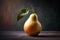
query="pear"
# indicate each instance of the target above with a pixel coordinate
(32, 26)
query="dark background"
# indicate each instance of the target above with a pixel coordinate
(47, 11)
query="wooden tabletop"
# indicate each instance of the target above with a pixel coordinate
(20, 35)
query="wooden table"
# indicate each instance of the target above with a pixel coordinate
(19, 35)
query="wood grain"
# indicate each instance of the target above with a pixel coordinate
(44, 35)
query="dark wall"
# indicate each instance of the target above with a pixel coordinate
(47, 11)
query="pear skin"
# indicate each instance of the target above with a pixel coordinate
(32, 26)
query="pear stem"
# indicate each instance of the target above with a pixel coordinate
(33, 11)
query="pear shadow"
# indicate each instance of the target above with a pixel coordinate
(38, 36)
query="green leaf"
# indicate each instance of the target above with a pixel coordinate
(22, 13)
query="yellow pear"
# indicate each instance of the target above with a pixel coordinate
(32, 26)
